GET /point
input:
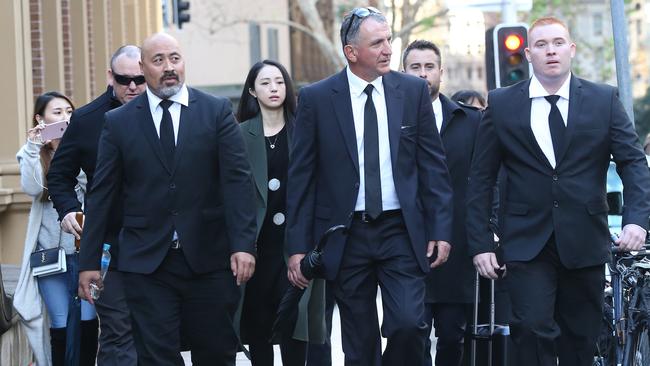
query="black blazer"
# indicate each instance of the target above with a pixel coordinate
(453, 281)
(206, 195)
(569, 201)
(78, 150)
(324, 167)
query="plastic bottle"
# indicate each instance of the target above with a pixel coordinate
(95, 291)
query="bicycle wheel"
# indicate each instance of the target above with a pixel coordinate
(639, 352)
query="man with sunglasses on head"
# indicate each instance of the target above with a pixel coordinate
(78, 150)
(366, 153)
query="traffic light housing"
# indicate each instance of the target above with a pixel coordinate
(181, 12)
(505, 58)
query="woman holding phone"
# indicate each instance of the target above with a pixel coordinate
(34, 295)
(266, 110)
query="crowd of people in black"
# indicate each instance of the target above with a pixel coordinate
(210, 213)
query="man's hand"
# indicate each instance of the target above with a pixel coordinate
(85, 278)
(632, 238)
(442, 255)
(70, 225)
(486, 264)
(294, 273)
(242, 265)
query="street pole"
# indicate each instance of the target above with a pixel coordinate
(619, 30)
(508, 11)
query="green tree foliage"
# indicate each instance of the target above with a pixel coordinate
(642, 115)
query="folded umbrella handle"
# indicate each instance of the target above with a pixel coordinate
(323, 239)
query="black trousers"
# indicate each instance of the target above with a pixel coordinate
(450, 322)
(116, 346)
(556, 311)
(379, 253)
(207, 303)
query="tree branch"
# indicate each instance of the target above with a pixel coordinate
(408, 28)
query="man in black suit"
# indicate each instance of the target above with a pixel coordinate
(174, 158)
(449, 288)
(78, 150)
(366, 153)
(554, 135)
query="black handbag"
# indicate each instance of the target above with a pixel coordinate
(47, 262)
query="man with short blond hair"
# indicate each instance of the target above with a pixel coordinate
(553, 135)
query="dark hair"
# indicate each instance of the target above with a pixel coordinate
(249, 107)
(46, 150)
(468, 96)
(420, 44)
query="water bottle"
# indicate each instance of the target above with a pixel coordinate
(95, 291)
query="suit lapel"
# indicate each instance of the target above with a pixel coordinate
(394, 110)
(575, 102)
(524, 101)
(254, 136)
(448, 110)
(149, 129)
(342, 106)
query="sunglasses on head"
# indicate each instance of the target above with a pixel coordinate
(126, 80)
(359, 13)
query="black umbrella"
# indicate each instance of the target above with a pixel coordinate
(73, 330)
(311, 267)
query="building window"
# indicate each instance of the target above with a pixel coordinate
(479, 73)
(469, 73)
(598, 24)
(272, 39)
(639, 24)
(255, 47)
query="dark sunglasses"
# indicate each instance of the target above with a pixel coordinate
(359, 13)
(126, 80)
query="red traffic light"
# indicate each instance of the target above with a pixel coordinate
(513, 42)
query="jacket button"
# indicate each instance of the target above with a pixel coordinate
(172, 186)
(174, 213)
(556, 204)
(555, 177)
(356, 185)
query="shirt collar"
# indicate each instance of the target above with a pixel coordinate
(358, 85)
(181, 97)
(536, 90)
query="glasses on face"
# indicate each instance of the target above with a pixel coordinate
(359, 13)
(126, 80)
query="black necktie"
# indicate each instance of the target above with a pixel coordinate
(167, 131)
(371, 157)
(556, 125)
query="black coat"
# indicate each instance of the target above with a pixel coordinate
(78, 150)
(453, 281)
(206, 194)
(569, 201)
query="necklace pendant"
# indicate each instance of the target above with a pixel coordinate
(272, 146)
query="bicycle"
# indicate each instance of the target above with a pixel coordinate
(627, 311)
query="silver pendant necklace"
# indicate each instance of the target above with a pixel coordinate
(272, 144)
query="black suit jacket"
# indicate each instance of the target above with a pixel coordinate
(206, 195)
(78, 150)
(568, 201)
(453, 281)
(324, 167)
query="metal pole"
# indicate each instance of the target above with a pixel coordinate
(619, 31)
(508, 11)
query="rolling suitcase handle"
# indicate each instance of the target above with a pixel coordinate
(485, 331)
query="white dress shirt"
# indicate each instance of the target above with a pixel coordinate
(539, 111)
(182, 97)
(358, 98)
(437, 111)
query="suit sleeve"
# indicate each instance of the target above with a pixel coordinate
(483, 174)
(434, 182)
(631, 165)
(301, 193)
(103, 193)
(64, 169)
(236, 183)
